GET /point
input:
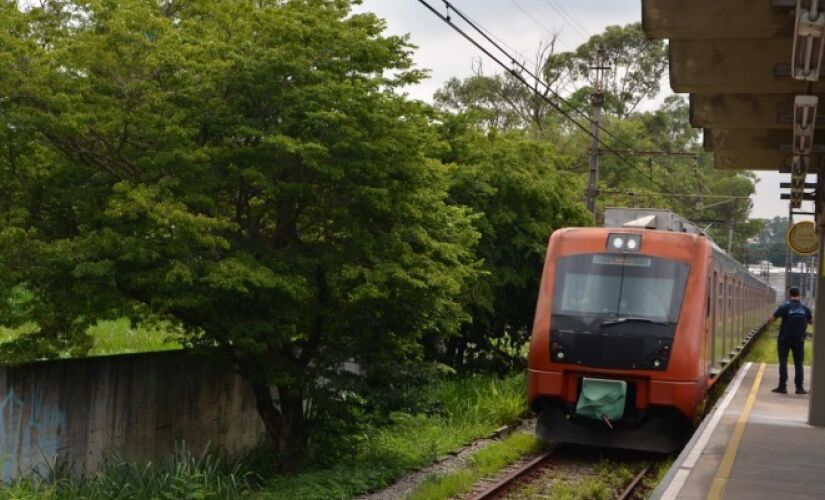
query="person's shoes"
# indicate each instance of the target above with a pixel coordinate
(800, 390)
(780, 390)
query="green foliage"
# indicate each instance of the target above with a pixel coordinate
(605, 481)
(485, 463)
(242, 169)
(468, 408)
(637, 65)
(520, 197)
(715, 199)
(465, 409)
(771, 243)
(107, 337)
(121, 337)
(764, 349)
(180, 475)
(503, 102)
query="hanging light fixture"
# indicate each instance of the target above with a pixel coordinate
(809, 41)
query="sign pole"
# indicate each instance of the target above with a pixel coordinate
(816, 409)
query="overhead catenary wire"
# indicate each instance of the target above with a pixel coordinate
(578, 27)
(484, 33)
(519, 77)
(538, 23)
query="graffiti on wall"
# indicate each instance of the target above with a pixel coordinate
(29, 434)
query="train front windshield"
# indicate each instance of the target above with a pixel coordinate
(600, 287)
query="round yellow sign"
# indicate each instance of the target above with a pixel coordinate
(802, 238)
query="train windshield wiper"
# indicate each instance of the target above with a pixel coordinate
(619, 321)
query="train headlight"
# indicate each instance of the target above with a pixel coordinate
(624, 242)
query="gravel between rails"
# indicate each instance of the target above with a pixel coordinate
(407, 484)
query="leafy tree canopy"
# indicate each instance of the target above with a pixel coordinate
(242, 167)
(515, 186)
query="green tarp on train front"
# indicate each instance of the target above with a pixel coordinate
(602, 398)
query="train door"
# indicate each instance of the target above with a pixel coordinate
(737, 338)
(724, 310)
(710, 322)
(719, 334)
(737, 299)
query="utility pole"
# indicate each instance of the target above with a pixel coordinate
(597, 102)
(788, 254)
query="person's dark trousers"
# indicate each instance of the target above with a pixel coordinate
(797, 348)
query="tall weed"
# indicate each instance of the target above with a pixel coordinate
(180, 475)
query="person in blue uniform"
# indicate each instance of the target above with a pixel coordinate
(795, 320)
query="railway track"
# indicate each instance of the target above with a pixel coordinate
(529, 470)
(499, 488)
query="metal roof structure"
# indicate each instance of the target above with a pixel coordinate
(745, 64)
(752, 69)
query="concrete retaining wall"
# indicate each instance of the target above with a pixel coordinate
(140, 405)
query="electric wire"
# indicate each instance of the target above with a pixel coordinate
(577, 27)
(485, 32)
(539, 23)
(480, 30)
(519, 77)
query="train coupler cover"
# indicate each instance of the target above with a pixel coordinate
(602, 399)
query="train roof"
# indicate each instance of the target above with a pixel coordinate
(659, 219)
(650, 218)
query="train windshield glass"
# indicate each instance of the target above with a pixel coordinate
(619, 286)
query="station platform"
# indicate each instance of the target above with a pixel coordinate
(753, 445)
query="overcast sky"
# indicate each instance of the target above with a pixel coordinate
(522, 24)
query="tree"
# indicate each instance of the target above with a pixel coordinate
(770, 244)
(520, 197)
(637, 66)
(241, 167)
(502, 101)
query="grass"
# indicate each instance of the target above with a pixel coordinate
(764, 350)
(661, 469)
(607, 479)
(112, 337)
(121, 337)
(180, 475)
(484, 463)
(470, 408)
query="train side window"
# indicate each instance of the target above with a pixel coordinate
(707, 308)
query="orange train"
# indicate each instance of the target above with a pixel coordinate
(651, 304)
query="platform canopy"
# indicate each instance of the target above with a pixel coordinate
(745, 64)
(752, 68)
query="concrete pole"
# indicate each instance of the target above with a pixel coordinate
(593, 173)
(816, 410)
(597, 101)
(788, 254)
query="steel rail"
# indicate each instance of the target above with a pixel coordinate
(633, 484)
(497, 488)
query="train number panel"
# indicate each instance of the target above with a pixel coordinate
(633, 325)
